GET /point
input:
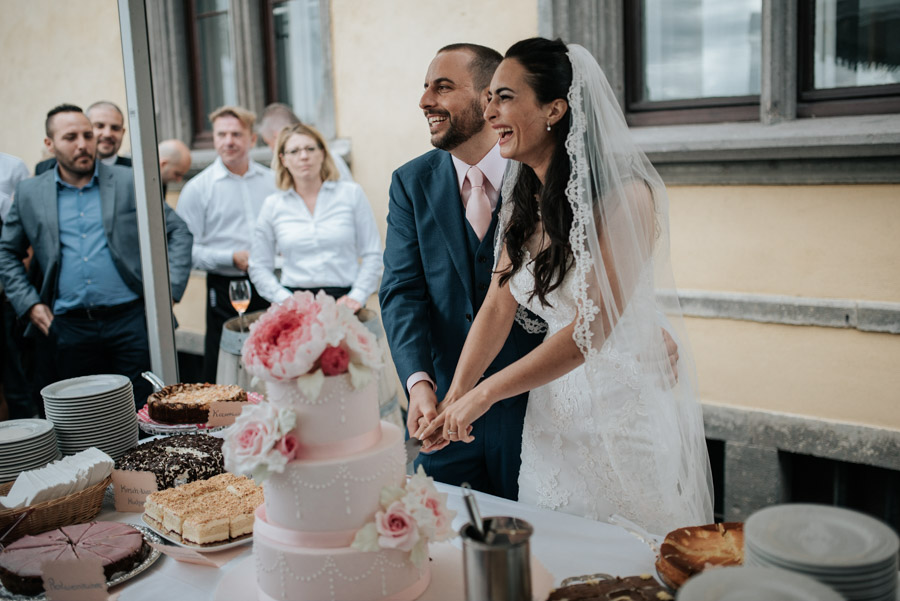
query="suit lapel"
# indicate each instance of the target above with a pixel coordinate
(50, 213)
(107, 199)
(442, 197)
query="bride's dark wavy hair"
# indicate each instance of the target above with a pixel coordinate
(549, 73)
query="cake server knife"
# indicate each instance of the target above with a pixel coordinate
(413, 446)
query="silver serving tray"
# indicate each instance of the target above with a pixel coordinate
(117, 578)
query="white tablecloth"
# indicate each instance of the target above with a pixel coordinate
(566, 545)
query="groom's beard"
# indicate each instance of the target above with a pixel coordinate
(462, 127)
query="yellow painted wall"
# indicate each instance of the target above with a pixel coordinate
(382, 49)
(835, 374)
(812, 241)
(55, 52)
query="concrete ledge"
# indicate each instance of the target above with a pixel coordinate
(867, 316)
(853, 443)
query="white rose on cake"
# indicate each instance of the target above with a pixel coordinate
(259, 442)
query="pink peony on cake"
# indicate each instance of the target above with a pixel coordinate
(340, 520)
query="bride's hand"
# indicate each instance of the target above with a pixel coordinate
(456, 416)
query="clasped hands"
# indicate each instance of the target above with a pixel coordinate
(437, 426)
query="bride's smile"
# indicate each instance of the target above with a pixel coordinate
(520, 120)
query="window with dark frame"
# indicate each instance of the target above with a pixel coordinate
(692, 61)
(294, 58)
(211, 63)
(849, 57)
(698, 61)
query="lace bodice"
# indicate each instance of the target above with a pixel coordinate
(572, 422)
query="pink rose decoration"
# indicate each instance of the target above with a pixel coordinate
(396, 527)
(334, 361)
(292, 339)
(287, 446)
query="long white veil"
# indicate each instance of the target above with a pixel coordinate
(652, 434)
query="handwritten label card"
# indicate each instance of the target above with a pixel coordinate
(74, 580)
(212, 560)
(223, 413)
(131, 489)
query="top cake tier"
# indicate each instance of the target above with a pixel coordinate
(339, 422)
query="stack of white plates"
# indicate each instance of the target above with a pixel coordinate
(754, 584)
(25, 444)
(92, 411)
(854, 554)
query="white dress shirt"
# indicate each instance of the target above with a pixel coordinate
(220, 209)
(12, 171)
(337, 245)
(493, 165)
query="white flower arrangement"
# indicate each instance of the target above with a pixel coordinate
(411, 516)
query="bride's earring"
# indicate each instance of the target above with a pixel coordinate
(548, 125)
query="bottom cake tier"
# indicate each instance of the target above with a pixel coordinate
(288, 572)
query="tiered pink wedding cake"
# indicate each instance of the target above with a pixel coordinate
(340, 520)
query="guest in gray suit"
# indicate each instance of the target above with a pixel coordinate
(81, 221)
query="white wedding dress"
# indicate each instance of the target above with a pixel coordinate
(623, 432)
(567, 429)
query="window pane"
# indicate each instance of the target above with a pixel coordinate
(700, 48)
(299, 63)
(217, 79)
(857, 43)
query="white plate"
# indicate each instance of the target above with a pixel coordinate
(84, 386)
(820, 536)
(211, 548)
(86, 405)
(18, 430)
(754, 584)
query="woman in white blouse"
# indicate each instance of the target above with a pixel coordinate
(324, 228)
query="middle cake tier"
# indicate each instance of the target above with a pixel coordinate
(325, 501)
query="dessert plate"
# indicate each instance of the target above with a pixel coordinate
(118, 578)
(18, 430)
(210, 548)
(85, 387)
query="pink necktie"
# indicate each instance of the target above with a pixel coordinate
(478, 207)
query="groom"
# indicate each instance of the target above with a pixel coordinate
(439, 253)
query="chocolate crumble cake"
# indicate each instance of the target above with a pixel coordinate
(177, 459)
(189, 403)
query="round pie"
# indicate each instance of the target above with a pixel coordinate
(189, 403)
(690, 550)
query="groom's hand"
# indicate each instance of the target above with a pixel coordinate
(422, 411)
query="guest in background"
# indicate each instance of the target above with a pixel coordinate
(174, 162)
(220, 205)
(15, 398)
(323, 227)
(276, 117)
(109, 131)
(81, 221)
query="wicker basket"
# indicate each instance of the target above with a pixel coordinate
(76, 508)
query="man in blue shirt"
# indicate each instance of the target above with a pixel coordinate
(80, 218)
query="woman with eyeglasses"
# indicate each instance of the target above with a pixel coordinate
(324, 228)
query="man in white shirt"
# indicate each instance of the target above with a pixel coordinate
(220, 206)
(275, 117)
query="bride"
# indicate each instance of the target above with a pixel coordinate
(611, 426)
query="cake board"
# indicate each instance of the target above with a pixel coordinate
(447, 582)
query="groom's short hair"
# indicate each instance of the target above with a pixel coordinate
(484, 62)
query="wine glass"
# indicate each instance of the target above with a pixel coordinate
(239, 295)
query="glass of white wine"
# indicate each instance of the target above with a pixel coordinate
(239, 295)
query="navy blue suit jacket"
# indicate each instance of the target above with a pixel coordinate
(433, 284)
